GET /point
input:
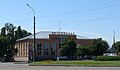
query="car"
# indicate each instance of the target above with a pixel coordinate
(7, 59)
(61, 57)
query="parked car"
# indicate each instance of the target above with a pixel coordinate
(109, 54)
(61, 57)
(7, 59)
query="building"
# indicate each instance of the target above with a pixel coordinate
(47, 45)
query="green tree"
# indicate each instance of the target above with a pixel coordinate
(84, 51)
(4, 44)
(9, 28)
(10, 35)
(117, 47)
(3, 32)
(8, 31)
(8, 39)
(69, 48)
(99, 47)
(20, 33)
(25, 33)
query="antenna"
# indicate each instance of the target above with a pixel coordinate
(59, 27)
(60, 41)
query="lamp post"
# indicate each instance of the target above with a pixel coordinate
(34, 53)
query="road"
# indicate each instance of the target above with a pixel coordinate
(11, 66)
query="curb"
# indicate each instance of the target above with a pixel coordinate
(54, 65)
(68, 65)
(20, 62)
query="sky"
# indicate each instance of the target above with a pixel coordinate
(88, 18)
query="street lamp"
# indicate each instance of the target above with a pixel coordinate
(34, 53)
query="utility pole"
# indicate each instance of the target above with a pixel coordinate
(34, 41)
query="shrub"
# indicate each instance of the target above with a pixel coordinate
(107, 58)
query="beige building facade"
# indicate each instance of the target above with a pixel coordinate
(47, 45)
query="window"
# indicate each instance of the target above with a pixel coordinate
(54, 45)
(46, 48)
(53, 52)
(53, 48)
(39, 52)
(46, 45)
(60, 45)
(39, 46)
(30, 46)
(46, 52)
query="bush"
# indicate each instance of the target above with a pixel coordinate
(107, 58)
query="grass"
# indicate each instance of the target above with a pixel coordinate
(86, 63)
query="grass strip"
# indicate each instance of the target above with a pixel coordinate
(86, 63)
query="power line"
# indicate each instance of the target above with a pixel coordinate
(104, 18)
(74, 12)
(99, 7)
(93, 20)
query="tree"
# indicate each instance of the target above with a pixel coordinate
(3, 31)
(4, 43)
(117, 47)
(99, 47)
(20, 33)
(25, 33)
(10, 36)
(84, 51)
(9, 28)
(8, 39)
(69, 48)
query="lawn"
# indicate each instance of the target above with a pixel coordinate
(85, 63)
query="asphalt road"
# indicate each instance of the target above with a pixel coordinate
(11, 66)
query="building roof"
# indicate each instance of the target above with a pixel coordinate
(45, 35)
(82, 37)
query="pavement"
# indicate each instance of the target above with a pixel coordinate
(12, 66)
